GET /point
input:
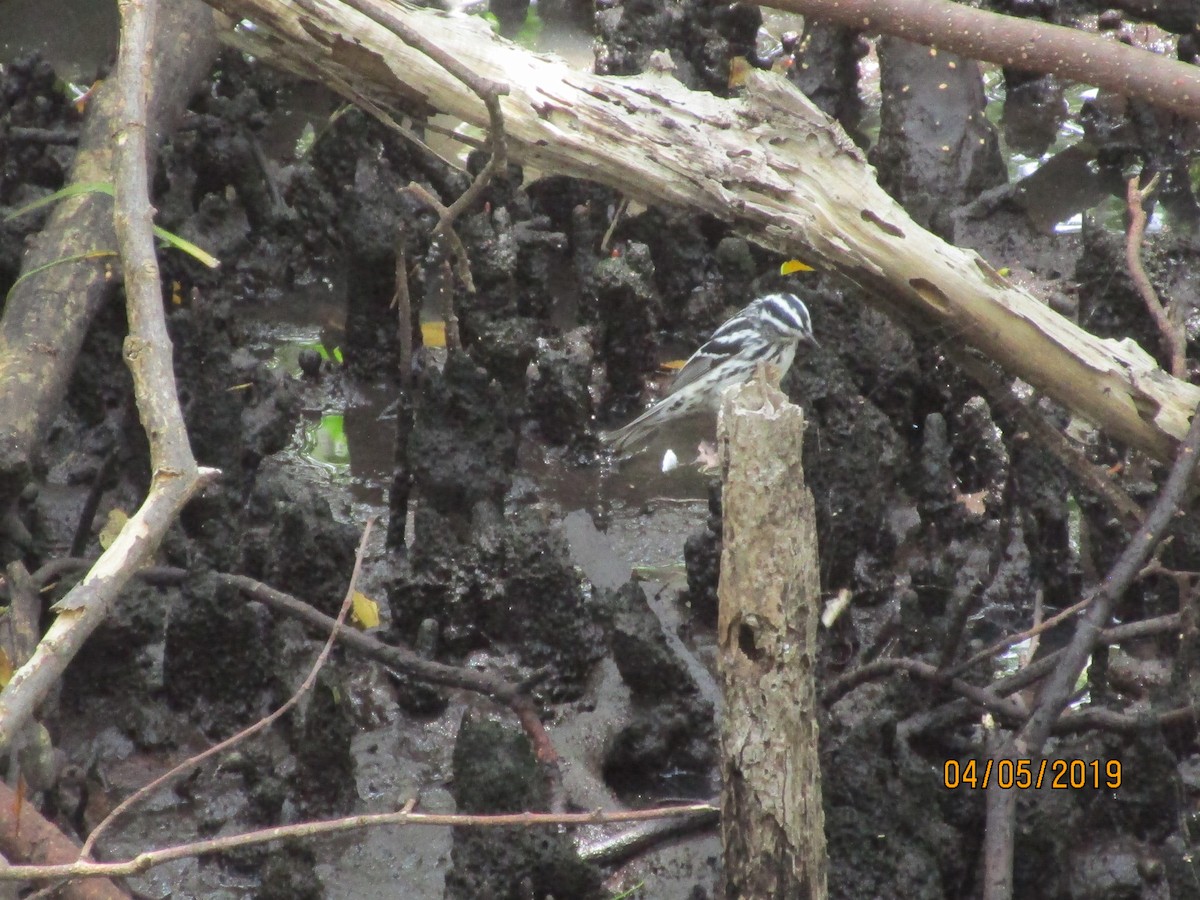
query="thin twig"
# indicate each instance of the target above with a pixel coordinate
(189, 764)
(404, 661)
(1170, 330)
(402, 301)
(449, 317)
(489, 92)
(842, 685)
(1123, 573)
(152, 858)
(462, 267)
(1004, 643)
(618, 214)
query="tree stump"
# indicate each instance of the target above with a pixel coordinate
(772, 820)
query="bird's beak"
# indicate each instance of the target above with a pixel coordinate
(812, 342)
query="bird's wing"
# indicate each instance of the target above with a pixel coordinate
(725, 342)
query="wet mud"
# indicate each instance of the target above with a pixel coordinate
(939, 514)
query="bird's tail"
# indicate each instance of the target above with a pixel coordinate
(628, 436)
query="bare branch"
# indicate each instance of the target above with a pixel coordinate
(27, 835)
(770, 164)
(148, 860)
(1019, 44)
(148, 353)
(1090, 476)
(489, 91)
(1170, 331)
(189, 764)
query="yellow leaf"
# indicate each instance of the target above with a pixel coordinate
(364, 611)
(433, 334)
(6, 668)
(672, 365)
(116, 521)
(739, 68)
(794, 265)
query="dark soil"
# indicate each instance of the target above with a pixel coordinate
(941, 517)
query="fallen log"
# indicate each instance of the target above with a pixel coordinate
(71, 265)
(768, 162)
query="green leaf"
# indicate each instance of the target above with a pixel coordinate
(71, 190)
(103, 187)
(185, 246)
(95, 254)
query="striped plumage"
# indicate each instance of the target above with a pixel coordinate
(767, 332)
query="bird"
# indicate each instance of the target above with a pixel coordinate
(765, 333)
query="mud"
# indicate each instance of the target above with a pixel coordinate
(940, 517)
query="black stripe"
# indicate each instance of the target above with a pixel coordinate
(786, 312)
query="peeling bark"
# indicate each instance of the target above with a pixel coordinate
(772, 820)
(768, 162)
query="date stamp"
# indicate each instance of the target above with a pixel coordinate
(1023, 774)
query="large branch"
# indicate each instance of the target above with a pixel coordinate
(176, 477)
(768, 162)
(1025, 44)
(69, 266)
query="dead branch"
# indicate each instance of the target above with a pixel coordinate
(1028, 742)
(26, 835)
(984, 698)
(1004, 643)
(1170, 330)
(444, 227)
(772, 818)
(405, 817)
(176, 476)
(404, 661)
(1019, 44)
(47, 315)
(410, 663)
(1089, 475)
(402, 301)
(1030, 674)
(262, 724)
(768, 162)
(402, 471)
(489, 91)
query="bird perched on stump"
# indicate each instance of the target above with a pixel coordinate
(765, 334)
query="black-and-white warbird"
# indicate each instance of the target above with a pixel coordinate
(766, 333)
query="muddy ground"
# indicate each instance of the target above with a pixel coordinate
(507, 539)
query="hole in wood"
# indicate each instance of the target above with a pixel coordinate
(746, 642)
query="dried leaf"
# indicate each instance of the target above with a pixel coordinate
(433, 334)
(364, 611)
(739, 69)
